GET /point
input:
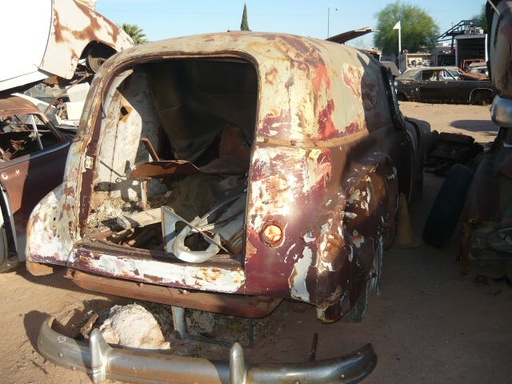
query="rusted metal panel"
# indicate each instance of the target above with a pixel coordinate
(313, 122)
(17, 105)
(235, 305)
(28, 169)
(67, 39)
(224, 276)
(74, 26)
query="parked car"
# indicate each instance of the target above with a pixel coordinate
(481, 69)
(32, 158)
(465, 65)
(442, 85)
(66, 40)
(226, 172)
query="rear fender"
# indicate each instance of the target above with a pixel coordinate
(369, 213)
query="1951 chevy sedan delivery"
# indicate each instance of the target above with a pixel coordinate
(225, 172)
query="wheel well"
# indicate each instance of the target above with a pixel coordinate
(402, 96)
(481, 96)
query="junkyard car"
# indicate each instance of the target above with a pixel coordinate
(487, 217)
(226, 172)
(442, 85)
(63, 38)
(32, 159)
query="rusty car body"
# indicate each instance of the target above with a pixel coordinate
(67, 39)
(32, 159)
(226, 172)
(442, 85)
(487, 216)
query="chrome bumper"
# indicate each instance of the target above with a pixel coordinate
(103, 362)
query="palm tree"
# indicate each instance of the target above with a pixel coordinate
(136, 33)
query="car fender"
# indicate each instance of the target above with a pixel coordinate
(369, 210)
(47, 241)
(69, 16)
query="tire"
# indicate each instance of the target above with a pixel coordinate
(358, 311)
(447, 207)
(481, 98)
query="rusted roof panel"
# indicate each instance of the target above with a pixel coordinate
(17, 105)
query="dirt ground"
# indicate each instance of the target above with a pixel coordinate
(430, 324)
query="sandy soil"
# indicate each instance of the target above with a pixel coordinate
(430, 324)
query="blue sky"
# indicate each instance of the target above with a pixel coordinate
(162, 19)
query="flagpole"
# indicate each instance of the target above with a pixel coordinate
(399, 40)
(398, 26)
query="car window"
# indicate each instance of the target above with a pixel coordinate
(454, 73)
(429, 75)
(24, 134)
(408, 75)
(445, 74)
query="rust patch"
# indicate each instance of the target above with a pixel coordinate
(321, 77)
(353, 127)
(274, 124)
(271, 76)
(327, 130)
(59, 38)
(352, 78)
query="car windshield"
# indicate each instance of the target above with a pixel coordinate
(409, 74)
(455, 72)
(23, 134)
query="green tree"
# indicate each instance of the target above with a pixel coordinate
(135, 32)
(244, 26)
(481, 19)
(418, 29)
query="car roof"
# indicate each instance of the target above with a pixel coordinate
(433, 68)
(412, 71)
(321, 75)
(17, 105)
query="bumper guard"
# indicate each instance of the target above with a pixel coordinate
(102, 362)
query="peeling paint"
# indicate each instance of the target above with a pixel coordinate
(357, 239)
(298, 285)
(310, 150)
(74, 27)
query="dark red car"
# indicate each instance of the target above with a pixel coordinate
(227, 172)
